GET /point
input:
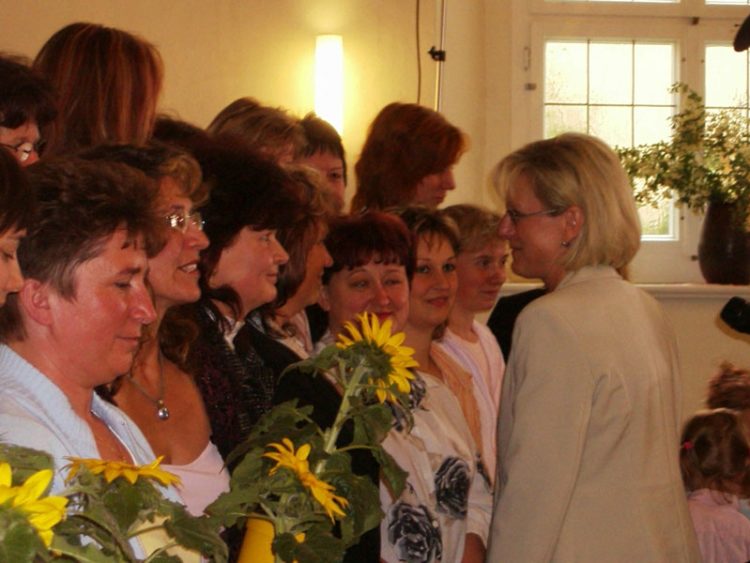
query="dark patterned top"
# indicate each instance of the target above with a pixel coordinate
(236, 386)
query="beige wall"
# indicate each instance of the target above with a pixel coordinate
(218, 50)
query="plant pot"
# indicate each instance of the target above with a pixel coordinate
(256, 546)
(723, 250)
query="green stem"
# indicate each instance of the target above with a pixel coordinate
(332, 434)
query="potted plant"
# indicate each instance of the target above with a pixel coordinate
(705, 166)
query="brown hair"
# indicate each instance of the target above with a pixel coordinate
(17, 202)
(298, 237)
(108, 82)
(405, 143)
(25, 95)
(321, 136)
(266, 129)
(714, 452)
(80, 205)
(477, 226)
(729, 388)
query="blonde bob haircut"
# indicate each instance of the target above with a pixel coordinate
(574, 169)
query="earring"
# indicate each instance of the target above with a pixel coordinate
(565, 243)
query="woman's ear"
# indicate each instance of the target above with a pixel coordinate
(574, 220)
(34, 299)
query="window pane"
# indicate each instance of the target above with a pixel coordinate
(608, 83)
(651, 124)
(559, 119)
(726, 77)
(653, 68)
(656, 222)
(611, 123)
(728, 2)
(565, 72)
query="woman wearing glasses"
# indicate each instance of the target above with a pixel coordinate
(26, 105)
(157, 394)
(590, 407)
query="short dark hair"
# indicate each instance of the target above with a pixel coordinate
(80, 205)
(25, 95)
(355, 240)
(17, 202)
(321, 136)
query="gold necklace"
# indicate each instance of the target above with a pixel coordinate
(162, 412)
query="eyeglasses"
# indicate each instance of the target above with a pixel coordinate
(516, 216)
(181, 220)
(24, 149)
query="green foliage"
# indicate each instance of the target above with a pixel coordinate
(281, 489)
(706, 160)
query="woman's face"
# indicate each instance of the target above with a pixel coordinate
(173, 273)
(318, 259)
(536, 241)
(11, 279)
(481, 274)
(432, 189)
(331, 167)
(377, 288)
(433, 289)
(250, 266)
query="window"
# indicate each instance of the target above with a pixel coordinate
(605, 66)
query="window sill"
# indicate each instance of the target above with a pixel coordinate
(662, 291)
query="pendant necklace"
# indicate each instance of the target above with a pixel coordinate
(162, 412)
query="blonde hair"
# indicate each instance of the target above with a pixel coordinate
(581, 170)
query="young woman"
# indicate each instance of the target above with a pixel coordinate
(480, 266)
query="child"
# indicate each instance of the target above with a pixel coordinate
(480, 265)
(714, 462)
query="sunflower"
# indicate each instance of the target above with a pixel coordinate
(42, 513)
(378, 344)
(285, 456)
(114, 469)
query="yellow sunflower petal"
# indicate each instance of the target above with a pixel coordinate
(5, 475)
(33, 488)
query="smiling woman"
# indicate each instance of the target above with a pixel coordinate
(16, 211)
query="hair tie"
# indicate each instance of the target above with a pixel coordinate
(687, 445)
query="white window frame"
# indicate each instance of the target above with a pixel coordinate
(689, 25)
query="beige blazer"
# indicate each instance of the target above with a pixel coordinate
(588, 433)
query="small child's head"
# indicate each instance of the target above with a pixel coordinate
(482, 255)
(714, 452)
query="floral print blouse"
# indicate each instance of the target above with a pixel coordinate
(446, 496)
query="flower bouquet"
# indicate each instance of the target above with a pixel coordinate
(298, 477)
(707, 159)
(104, 506)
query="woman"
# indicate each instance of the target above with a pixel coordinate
(589, 414)
(324, 151)
(370, 273)
(16, 212)
(446, 491)
(108, 82)
(271, 131)
(27, 104)
(284, 319)
(480, 267)
(407, 159)
(157, 394)
(239, 271)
